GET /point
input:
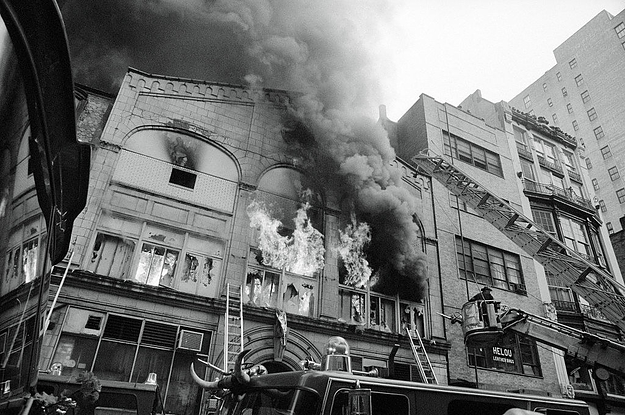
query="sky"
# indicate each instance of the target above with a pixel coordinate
(374, 51)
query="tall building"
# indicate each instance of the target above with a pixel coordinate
(584, 95)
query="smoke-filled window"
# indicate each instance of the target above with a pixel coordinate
(288, 249)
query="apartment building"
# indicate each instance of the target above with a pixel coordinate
(473, 253)
(556, 191)
(584, 96)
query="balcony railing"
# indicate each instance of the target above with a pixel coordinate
(549, 189)
(592, 312)
(561, 305)
(551, 165)
(573, 175)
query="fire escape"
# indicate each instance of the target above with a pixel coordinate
(583, 277)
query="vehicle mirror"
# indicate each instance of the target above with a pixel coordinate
(359, 401)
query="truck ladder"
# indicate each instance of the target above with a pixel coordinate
(601, 290)
(233, 326)
(421, 357)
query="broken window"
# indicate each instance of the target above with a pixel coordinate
(157, 265)
(111, 255)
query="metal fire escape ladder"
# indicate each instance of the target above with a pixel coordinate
(233, 326)
(601, 290)
(421, 357)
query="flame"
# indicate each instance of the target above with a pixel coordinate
(302, 253)
(351, 246)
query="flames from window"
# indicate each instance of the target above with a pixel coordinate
(302, 252)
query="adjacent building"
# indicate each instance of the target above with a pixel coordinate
(584, 96)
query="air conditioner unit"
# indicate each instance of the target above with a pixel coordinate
(190, 340)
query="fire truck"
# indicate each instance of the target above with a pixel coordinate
(332, 387)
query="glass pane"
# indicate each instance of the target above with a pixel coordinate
(269, 296)
(114, 361)
(253, 288)
(153, 361)
(298, 295)
(74, 355)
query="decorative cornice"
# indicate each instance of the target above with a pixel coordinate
(541, 125)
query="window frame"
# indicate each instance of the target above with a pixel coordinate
(620, 194)
(620, 30)
(564, 92)
(489, 265)
(573, 63)
(592, 114)
(575, 125)
(598, 132)
(605, 152)
(614, 173)
(579, 80)
(585, 96)
(527, 362)
(595, 184)
(466, 151)
(569, 108)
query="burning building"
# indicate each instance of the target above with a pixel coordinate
(197, 185)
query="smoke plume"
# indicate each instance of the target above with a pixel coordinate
(325, 50)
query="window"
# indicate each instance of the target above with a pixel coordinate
(603, 206)
(182, 178)
(575, 236)
(472, 154)
(527, 101)
(588, 163)
(620, 193)
(549, 102)
(127, 349)
(614, 174)
(620, 30)
(569, 108)
(623, 44)
(605, 152)
(585, 96)
(555, 118)
(610, 228)
(528, 170)
(512, 353)
(544, 86)
(456, 203)
(579, 80)
(572, 63)
(546, 153)
(592, 114)
(275, 288)
(153, 255)
(23, 256)
(599, 132)
(531, 112)
(564, 93)
(488, 265)
(381, 403)
(595, 184)
(575, 125)
(357, 301)
(544, 219)
(569, 162)
(559, 76)
(521, 139)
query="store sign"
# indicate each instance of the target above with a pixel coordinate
(503, 354)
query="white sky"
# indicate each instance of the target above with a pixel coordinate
(449, 48)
